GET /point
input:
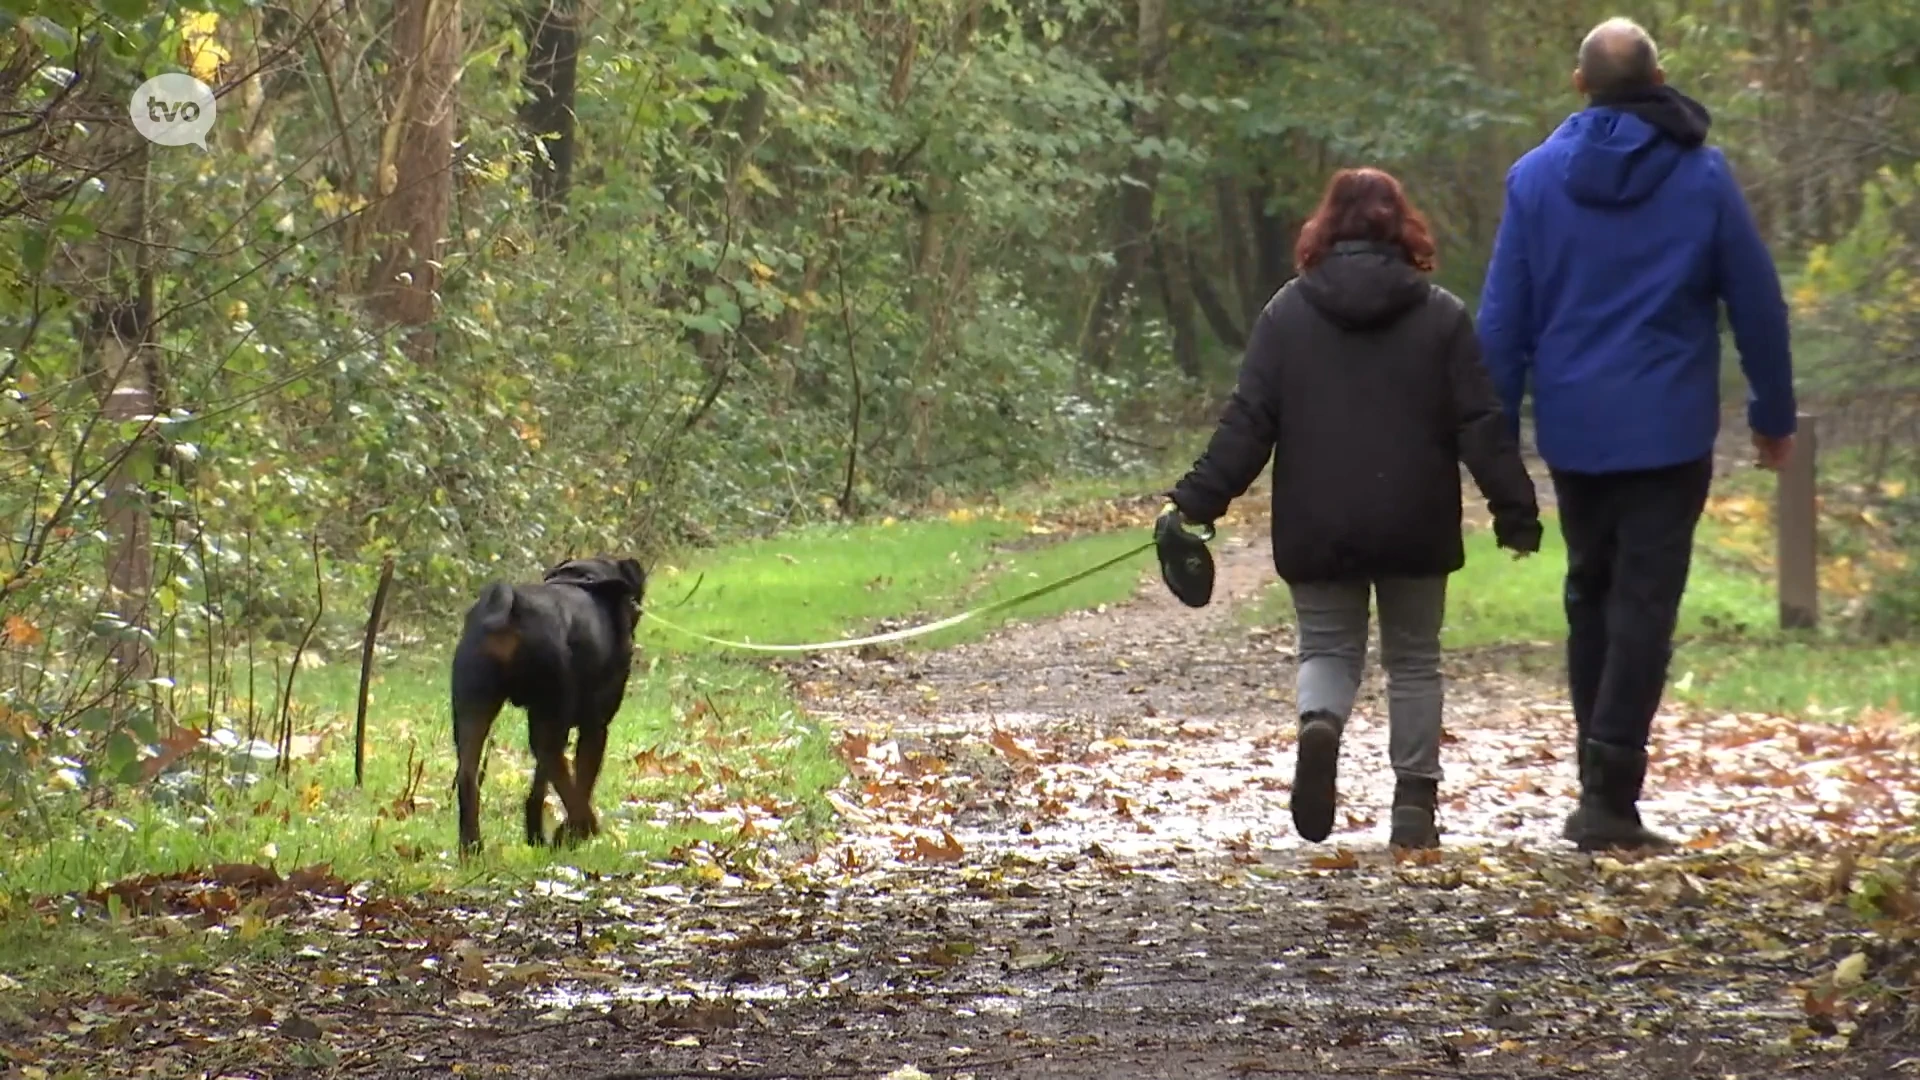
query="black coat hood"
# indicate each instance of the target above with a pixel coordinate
(1361, 285)
(1663, 108)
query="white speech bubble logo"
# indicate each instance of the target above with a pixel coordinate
(174, 109)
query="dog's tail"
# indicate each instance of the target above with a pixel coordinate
(493, 613)
(494, 609)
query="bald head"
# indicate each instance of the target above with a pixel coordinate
(1616, 57)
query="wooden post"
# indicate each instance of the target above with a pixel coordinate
(1797, 531)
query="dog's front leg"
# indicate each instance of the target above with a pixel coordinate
(587, 758)
(579, 823)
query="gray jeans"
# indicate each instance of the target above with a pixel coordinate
(1332, 618)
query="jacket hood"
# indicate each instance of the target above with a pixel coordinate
(1625, 145)
(1361, 285)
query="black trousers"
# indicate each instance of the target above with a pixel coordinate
(1629, 543)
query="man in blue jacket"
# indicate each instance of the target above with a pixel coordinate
(1622, 235)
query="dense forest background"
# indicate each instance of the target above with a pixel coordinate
(470, 284)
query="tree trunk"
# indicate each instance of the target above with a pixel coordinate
(121, 365)
(1133, 228)
(552, 31)
(415, 175)
(794, 327)
(1219, 319)
(120, 353)
(1272, 239)
(750, 131)
(938, 201)
(1485, 188)
(1176, 297)
(1235, 239)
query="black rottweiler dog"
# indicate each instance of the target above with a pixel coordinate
(562, 650)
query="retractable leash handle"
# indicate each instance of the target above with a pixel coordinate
(1186, 566)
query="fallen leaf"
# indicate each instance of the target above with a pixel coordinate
(1341, 859)
(1850, 971)
(1014, 748)
(945, 851)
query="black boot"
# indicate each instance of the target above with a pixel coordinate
(1314, 766)
(1576, 820)
(1609, 797)
(1414, 800)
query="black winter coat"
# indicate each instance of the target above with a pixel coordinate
(1364, 384)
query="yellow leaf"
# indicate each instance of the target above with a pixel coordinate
(1842, 578)
(200, 51)
(1850, 971)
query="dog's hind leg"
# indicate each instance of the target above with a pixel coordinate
(536, 809)
(472, 721)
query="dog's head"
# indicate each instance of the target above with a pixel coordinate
(624, 579)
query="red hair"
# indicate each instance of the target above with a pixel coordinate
(1366, 205)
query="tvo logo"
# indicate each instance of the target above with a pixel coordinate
(167, 112)
(174, 109)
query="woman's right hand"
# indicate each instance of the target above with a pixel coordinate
(1520, 537)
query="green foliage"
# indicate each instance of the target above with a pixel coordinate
(1875, 45)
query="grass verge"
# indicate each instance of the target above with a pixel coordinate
(1730, 654)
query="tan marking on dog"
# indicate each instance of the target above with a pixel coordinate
(501, 646)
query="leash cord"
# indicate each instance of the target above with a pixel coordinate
(912, 631)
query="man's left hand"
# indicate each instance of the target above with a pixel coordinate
(1773, 451)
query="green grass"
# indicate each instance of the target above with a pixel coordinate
(827, 583)
(1731, 655)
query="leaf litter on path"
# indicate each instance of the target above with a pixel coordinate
(1068, 855)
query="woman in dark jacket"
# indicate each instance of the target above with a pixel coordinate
(1363, 382)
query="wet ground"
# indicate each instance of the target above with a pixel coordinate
(1068, 856)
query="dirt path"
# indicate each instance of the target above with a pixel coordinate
(1069, 856)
